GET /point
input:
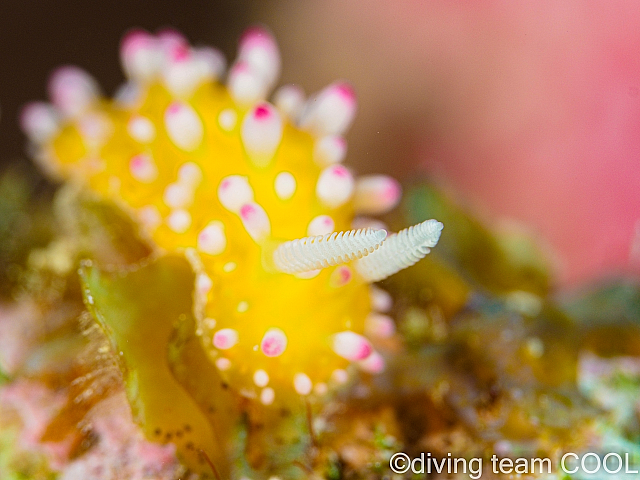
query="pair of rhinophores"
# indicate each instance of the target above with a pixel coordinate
(255, 194)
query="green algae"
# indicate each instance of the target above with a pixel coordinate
(139, 311)
(498, 263)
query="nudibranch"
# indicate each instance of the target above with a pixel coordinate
(253, 192)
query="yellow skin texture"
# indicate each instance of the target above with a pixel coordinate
(309, 311)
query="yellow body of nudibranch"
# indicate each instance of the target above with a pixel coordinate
(216, 171)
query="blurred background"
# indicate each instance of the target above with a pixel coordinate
(528, 112)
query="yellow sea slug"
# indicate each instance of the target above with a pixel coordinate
(253, 192)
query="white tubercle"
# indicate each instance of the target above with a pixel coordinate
(376, 194)
(379, 325)
(184, 126)
(381, 301)
(285, 185)
(274, 342)
(341, 276)
(190, 174)
(203, 284)
(302, 384)
(39, 121)
(320, 388)
(245, 85)
(351, 346)
(128, 95)
(261, 133)
(335, 186)
(259, 49)
(227, 119)
(340, 376)
(225, 338)
(178, 195)
(255, 221)
(321, 225)
(150, 217)
(172, 46)
(400, 251)
(331, 111)
(72, 90)
(179, 220)
(329, 150)
(267, 395)
(211, 239)
(141, 129)
(223, 363)
(322, 251)
(289, 100)
(140, 55)
(261, 378)
(210, 61)
(143, 168)
(170, 39)
(181, 76)
(234, 191)
(374, 363)
(95, 128)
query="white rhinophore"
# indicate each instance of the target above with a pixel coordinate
(400, 251)
(322, 251)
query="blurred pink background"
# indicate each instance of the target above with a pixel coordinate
(529, 110)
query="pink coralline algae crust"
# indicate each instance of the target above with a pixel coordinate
(30, 406)
(121, 451)
(18, 334)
